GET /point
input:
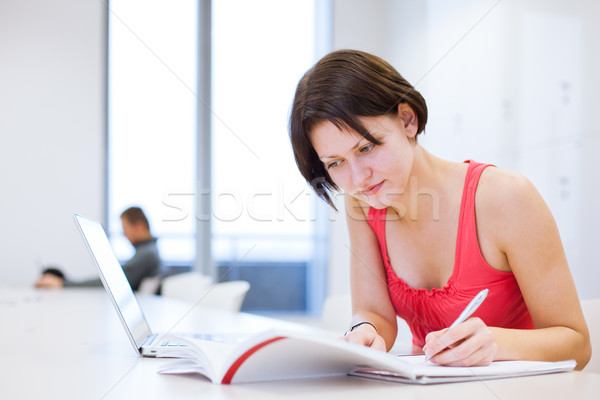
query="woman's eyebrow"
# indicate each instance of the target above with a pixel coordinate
(353, 148)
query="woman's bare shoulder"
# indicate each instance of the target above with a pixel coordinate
(509, 206)
(503, 188)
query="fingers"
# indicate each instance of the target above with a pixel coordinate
(435, 342)
(378, 343)
(477, 350)
(468, 344)
(368, 339)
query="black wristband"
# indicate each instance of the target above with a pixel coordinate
(359, 324)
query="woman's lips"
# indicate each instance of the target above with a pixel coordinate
(372, 190)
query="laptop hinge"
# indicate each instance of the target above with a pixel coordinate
(149, 339)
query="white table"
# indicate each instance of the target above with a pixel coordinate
(69, 344)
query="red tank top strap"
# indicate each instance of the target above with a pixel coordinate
(467, 244)
(376, 220)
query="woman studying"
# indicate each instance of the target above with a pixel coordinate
(427, 235)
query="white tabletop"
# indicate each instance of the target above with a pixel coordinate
(70, 344)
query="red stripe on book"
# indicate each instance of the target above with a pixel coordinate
(238, 363)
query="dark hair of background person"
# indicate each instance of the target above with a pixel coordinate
(134, 215)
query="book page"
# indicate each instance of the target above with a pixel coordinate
(429, 372)
(201, 356)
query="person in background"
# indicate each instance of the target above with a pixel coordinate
(145, 262)
(426, 234)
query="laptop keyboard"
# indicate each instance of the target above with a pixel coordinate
(173, 342)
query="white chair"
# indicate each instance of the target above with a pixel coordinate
(188, 286)
(337, 315)
(227, 296)
(196, 288)
(591, 311)
(149, 285)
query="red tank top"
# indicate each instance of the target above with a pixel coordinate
(426, 311)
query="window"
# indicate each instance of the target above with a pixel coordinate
(260, 50)
(152, 53)
(264, 214)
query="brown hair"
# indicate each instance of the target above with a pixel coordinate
(133, 215)
(339, 88)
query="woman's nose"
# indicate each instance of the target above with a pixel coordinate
(360, 174)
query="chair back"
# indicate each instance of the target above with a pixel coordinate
(188, 286)
(196, 288)
(337, 316)
(591, 312)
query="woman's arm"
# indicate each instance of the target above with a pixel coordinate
(514, 219)
(370, 298)
(534, 251)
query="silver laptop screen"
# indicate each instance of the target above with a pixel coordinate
(114, 280)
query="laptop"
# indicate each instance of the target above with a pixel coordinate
(145, 342)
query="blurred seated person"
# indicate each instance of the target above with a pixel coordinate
(144, 263)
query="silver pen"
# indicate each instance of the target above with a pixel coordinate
(469, 309)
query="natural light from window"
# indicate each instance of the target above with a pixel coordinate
(152, 120)
(262, 208)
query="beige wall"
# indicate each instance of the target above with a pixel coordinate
(52, 102)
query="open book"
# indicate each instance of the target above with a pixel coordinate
(274, 355)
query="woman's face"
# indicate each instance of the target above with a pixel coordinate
(376, 174)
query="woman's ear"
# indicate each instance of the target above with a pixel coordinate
(408, 119)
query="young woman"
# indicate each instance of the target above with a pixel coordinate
(427, 234)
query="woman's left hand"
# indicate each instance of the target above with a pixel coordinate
(467, 344)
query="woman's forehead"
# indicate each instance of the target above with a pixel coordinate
(330, 141)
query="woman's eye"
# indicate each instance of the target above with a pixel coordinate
(333, 164)
(367, 148)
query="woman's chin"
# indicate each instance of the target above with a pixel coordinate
(373, 201)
